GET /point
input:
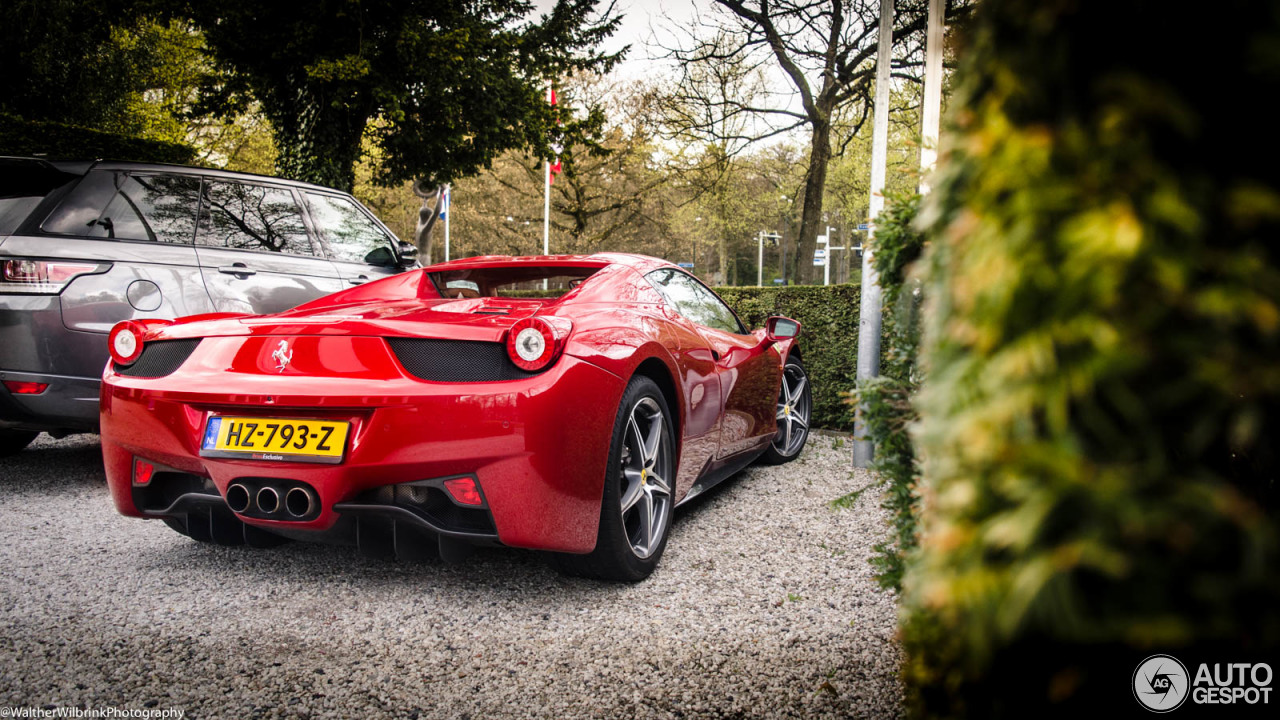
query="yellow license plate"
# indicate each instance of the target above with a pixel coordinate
(285, 439)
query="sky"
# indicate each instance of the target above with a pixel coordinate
(640, 19)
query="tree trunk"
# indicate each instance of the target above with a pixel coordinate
(723, 275)
(815, 184)
(317, 141)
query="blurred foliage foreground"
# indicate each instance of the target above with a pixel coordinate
(1101, 409)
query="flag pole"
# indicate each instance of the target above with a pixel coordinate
(546, 208)
(546, 195)
(448, 210)
(869, 321)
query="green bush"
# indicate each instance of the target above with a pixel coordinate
(1100, 417)
(56, 141)
(828, 341)
(886, 400)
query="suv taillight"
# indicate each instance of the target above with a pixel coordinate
(43, 277)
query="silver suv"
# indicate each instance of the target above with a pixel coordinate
(84, 245)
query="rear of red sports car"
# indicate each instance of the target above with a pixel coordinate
(407, 415)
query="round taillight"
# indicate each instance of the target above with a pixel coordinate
(534, 343)
(125, 342)
(530, 344)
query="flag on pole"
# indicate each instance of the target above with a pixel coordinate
(444, 202)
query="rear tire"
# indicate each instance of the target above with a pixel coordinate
(15, 441)
(635, 510)
(795, 408)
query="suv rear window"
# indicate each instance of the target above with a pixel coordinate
(23, 184)
(124, 206)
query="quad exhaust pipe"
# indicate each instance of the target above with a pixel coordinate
(296, 504)
(299, 502)
(268, 500)
(238, 498)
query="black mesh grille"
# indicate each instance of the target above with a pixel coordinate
(159, 358)
(456, 360)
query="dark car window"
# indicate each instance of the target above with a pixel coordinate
(511, 281)
(13, 210)
(239, 216)
(24, 184)
(351, 235)
(694, 301)
(123, 206)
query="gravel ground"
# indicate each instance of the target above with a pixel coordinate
(763, 606)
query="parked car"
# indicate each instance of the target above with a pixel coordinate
(85, 245)
(421, 413)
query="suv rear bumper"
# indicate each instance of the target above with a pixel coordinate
(69, 404)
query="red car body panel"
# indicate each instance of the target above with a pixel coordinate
(536, 445)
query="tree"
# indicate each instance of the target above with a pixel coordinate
(453, 83)
(692, 118)
(609, 195)
(825, 49)
(83, 63)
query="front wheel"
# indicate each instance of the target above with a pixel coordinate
(795, 407)
(635, 511)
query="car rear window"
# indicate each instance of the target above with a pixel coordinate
(23, 184)
(125, 206)
(521, 281)
(13, 210)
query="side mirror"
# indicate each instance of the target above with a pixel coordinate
(380, 256)
(408, 254)
(778, 328)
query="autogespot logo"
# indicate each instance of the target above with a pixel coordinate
(1160, 683)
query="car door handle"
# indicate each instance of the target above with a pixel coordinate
(358, 280)
(237, 269)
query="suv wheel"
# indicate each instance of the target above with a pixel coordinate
(13, 441)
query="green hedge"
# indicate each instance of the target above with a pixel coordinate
(1100, 414)
(56, 141)
(828, 341)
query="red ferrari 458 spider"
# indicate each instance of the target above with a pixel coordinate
(562, 403)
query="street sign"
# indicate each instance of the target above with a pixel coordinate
(686, 265)
(820, 253)
(822, 239)
(777, 281)
(864, 226)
